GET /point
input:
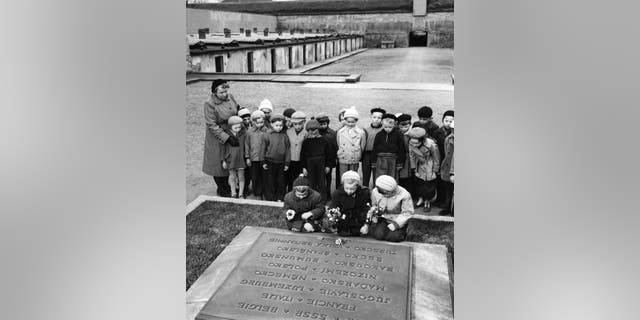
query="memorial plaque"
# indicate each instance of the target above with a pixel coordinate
(309, 276)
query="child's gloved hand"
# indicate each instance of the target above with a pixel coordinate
(307, 215)
(308, 227)
(364, 229)
(248, 162)
(327, 170)
(305, 172)
(290, 214)
(286, 168)
(265, 167)
(452, 178)
(391, 227)
(224, 165)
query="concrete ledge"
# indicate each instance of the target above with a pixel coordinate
(274, 77)
(202, 199)
(322, 63)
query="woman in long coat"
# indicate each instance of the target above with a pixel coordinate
(220, 107)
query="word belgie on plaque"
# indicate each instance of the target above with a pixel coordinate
(310, 276)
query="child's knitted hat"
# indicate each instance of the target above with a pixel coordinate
(350, 175)
(277, 117)
(301, 181)
(351, 112)
(298, 115)
(244, 112)
(265, 104)
(386, 182)
(257, 114)
(417, 133)
(234, 120)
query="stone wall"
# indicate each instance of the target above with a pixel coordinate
(440, 29)
(216, 21)
(378, 27)
(375, 27)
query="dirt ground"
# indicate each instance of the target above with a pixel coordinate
(314, 99)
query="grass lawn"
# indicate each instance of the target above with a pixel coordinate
(212, 226)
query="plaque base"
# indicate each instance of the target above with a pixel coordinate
(254, 278)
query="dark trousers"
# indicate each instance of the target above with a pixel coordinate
(366, 168)
(316, 175)
(380, 231)
(386, 165)
(448, 198)
(247, 180)
(338, 177)
(295, 169)
(275, 181)
(441, 192)
(222, 183)
(327, 182)
(424, 189)
(407, 183)
(258, 177)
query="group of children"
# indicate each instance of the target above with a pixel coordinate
(271, 151)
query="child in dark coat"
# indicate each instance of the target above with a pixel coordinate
(276, 157)
(352, 200)
(303, 207)
(234, 157)
(331, 136)
(440, 135)
(315, 157)
(389, 153)
(253, 149)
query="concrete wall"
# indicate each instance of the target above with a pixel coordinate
(377, 27)
(216, 21)
(392, 26)
(440, 27)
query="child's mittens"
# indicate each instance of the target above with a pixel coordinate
(308, 227)
(224, 165)
(307, 215)
(327, 170)
(290, 214)
(286, 168)
(364, 229)
(265, 167)
(391, 227)
(248, 162)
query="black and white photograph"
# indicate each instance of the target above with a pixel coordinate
(320, 159)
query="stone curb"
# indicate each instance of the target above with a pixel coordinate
(329, 61)
(203, 198)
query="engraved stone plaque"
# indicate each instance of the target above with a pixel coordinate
(309, 276)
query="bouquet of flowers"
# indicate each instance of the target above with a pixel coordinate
(373, 214)
(331, 219)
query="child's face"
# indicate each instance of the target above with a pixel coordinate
(267, 112)
(314, 132)
(287, 122)
(376, 118)
(277, 126)
(324, 125)
(246, 120)
(350, 122)
(350, 187)
(236, 127)
(259, 123)
(424, 119)
(447, 122)
(388, 125)
(405, 127)
(415, 142)
(298, 125)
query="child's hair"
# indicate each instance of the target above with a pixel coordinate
(447, 113)
(341, 114)
(425, 112)
(374, 110)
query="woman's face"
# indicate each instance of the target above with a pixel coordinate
(221, 91)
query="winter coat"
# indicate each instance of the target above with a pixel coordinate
(253, 143)
(425, 160)
(312, 202)
(331, 136)
(216, 114)
(234, 156)
(353, 206)
(397, 208)
(405, 172)
(371, 133)
(446, 169)
(392, 142)
(275, 147)
(351, 144)
(317, 147)
(296, 139)
(439, 136)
